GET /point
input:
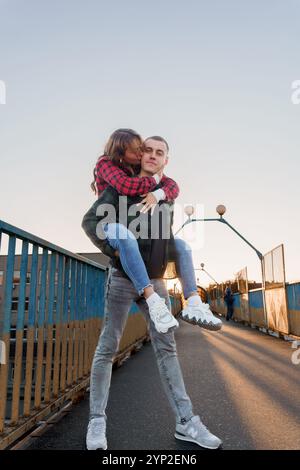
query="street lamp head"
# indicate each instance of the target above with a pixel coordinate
(221, 209)
(189, 210)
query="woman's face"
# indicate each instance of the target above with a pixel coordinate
(133, 153)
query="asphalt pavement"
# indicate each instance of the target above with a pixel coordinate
(242, 383)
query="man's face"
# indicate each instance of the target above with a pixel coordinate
(155, 156)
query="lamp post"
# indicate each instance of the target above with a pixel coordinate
(189, 210)
(202, 269)
(221, 209)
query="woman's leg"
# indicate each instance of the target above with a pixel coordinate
(196, 311)
(123, 241)
(185, 268)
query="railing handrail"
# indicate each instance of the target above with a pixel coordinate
(23, 235)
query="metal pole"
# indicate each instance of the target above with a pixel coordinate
(221, 219)
(263, 289)
(202, 269)
(259, 254)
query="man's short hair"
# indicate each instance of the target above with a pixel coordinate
(159, 138)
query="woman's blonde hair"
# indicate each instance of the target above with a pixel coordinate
(115, 149)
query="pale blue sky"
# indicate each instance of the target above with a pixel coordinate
(213, 77)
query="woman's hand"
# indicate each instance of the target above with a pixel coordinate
(117, 254)
(149, 202)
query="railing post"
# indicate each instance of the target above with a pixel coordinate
(4, 369)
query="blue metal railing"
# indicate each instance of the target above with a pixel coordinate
(56, 335)
(50, 320)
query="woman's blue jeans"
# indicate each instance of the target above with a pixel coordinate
(123, 240)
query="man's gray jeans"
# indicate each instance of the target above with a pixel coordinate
(120, 295)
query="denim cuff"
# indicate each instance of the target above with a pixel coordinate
(141, 291)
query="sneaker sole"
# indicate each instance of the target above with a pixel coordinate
(206, 326)
(190, 439)
(96, 448)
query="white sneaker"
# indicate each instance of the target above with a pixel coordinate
(96, 438)
(201, 315)
(161, 316)
(195, 431)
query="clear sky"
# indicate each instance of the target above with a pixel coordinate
(213, 77)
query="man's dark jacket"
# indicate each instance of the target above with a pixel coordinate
(156, 251)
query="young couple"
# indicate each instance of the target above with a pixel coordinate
(133, 168)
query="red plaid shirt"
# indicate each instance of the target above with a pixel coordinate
(107, 173)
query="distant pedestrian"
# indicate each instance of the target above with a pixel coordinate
(229, 300)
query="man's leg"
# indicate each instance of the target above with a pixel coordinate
(188, 426)
(196, 311)
(169, 368)
(120, 294)
(123, 241)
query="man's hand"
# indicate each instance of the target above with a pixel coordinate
(149, 202)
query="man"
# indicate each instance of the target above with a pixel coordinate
(120, 295)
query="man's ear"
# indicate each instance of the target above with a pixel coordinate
(167, 160)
